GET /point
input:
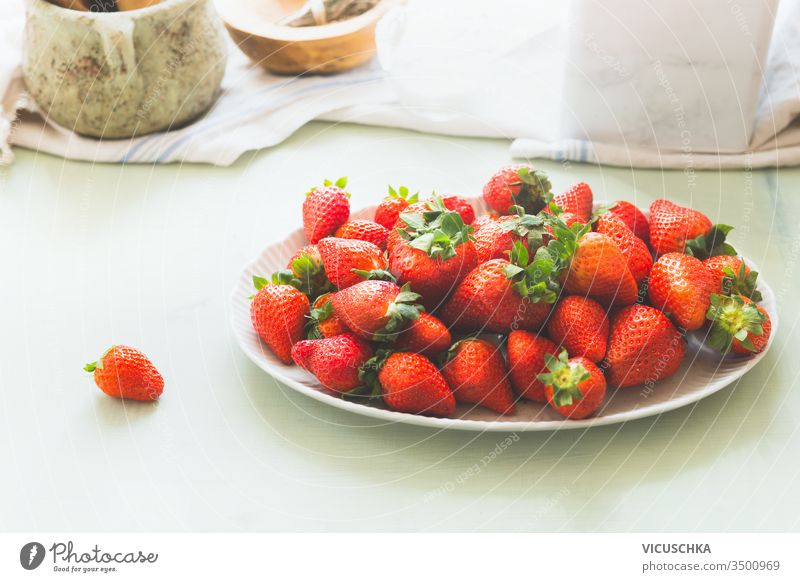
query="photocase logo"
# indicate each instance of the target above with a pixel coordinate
(31, 555)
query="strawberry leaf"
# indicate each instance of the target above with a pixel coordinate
(733, 317)
(368, 373)
(564, 377)
(741, 283)
(535, 190)
(711, 244)
(437, 232)
(375, 275)
(259, 282)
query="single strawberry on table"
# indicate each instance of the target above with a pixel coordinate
(376, 310)
(365, 230)
(643, 347)
(342, 259)
(427, 335)
(500, 295)
(279, 314)
(526, 353)
(409, 382)
(335, 361)
(681, 286)
(672, 225)
(575, 387)
(476, 373)
(325, 209)
(738, 325)
(518, 185)
(579, 325)
(389, 209)
(125, 372)
(432, 251)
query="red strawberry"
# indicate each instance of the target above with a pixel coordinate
(489, 299)
(681, 286)
(325, 209)
(643, 347)
(494, 241)
(427, 335)
(578, 201)
(575, 387)
(483, 220)
(733, 276)
(323, 322)
(599, 269)
(411, 383)
(672, 225)
(454, 203)
(335, 361)
(738, 325)
(633, 218)
(389, 209)
(364, 230)
(579, 325)
(433, 252)
(376, 310)
(278, 313)
(460, 205)
(305, 271)
(518, 185)
(526, 353)
(125, 372)
(635, 251)
(476, 373)
(342, 257)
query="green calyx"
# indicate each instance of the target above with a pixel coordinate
(437, 232)
(307, 275)
(528, 226)
(315, 316)
(741, 283)
(400, 313)
(403, 193)
(368, 374)
(340, 183)
(375, 275)
(98, 365)
(535, 190)
(711, 244)
(535, 280)
(539, 279)
(564, 378)
(733, 318)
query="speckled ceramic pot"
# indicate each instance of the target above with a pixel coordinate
(116, 75)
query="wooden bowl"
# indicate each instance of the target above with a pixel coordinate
(286, 50)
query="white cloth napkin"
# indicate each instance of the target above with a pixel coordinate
(257, 110)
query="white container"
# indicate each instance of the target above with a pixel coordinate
(679, 75)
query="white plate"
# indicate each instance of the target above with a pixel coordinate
(702, 373)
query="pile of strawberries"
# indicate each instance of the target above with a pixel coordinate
(544, 298)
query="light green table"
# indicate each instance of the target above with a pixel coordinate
(93, 255)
